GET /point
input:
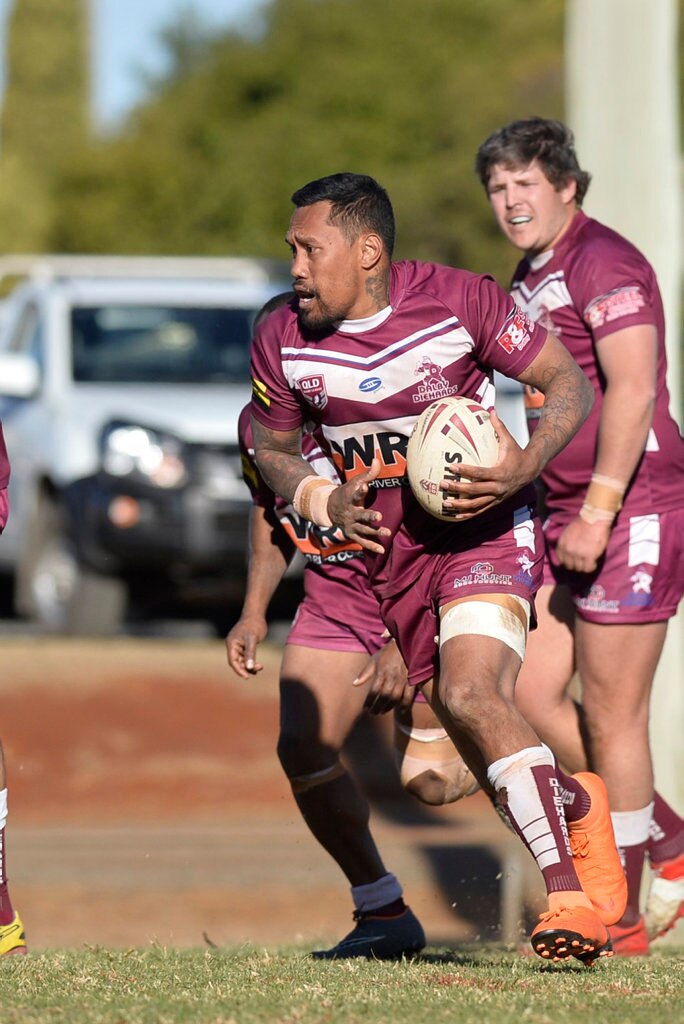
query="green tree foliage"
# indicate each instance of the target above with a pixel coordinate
(401, 90)
(45, 113)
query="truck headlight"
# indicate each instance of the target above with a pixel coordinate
(131, 450)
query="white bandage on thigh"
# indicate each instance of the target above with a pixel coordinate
(486, 618)
(431, 750)
(301, 783)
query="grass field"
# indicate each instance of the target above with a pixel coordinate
(474, 985)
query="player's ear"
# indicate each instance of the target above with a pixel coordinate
(372, 249)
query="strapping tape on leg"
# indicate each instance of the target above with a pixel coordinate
(486, 618)
(431, 750)
(302, 783)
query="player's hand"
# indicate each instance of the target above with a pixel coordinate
(581, 544)
(386, 677)
(478, 488)
(347, 509)
(242, 643)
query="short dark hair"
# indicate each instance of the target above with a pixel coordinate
(358, 203)
(549, 142)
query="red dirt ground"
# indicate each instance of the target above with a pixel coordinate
(146, 804)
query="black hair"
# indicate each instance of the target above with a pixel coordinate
(549, 142)
(357, 203)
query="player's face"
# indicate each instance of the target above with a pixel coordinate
(327, 270)
(530, 211)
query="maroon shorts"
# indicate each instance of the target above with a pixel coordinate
(313, 628)
(497, 566)
(640, 577)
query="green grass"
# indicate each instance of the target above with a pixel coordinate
(474, 985)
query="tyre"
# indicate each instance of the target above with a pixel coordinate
(56, 591)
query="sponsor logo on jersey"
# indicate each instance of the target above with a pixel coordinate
(434, 384)
(370, 384)
(260, 393)
(354, 455)
(313, 390)
(596, 601)
(483, 572)
(618, 303)
(516, 332)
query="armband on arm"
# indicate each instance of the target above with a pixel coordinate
(603, 499)
(311, 499)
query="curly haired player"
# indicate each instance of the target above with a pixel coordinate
(614, 496)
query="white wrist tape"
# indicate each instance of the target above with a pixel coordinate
(311, 499)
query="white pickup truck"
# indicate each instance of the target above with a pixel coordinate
(121, 381)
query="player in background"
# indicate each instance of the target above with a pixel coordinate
(346, 356)
(326, 680)
(12, 936)
(614, 499)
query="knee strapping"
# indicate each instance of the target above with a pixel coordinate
(425, 752)
(302, 783)
(487, 618)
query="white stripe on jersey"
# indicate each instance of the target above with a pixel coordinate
(551, 293)
(397, 370)
(334, 355)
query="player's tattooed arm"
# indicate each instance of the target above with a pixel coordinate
(568, 398)
(278, 455)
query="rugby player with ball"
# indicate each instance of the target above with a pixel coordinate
(368, 345)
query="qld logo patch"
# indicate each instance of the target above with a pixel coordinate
(313, 390)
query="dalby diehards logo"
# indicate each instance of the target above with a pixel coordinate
(434, 384)
(313, 390)
(641, 596)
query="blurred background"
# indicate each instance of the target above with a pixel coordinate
(148, 149)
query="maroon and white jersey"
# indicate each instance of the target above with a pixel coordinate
(592, 284)
(332, 560)
(4, 482)
(365, 383)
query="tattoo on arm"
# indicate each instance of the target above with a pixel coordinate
(278, 456)
(568, 398)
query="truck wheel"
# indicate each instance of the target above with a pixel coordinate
(59, 593)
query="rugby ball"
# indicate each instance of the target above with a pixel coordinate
(447, 433)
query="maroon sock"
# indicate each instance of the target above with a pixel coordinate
(665, 834)
(632, 858)
(6, 909)
(576, 800)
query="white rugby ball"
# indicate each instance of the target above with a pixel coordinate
(447, 433)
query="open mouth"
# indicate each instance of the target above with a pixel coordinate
(305, 296)
(522, 219)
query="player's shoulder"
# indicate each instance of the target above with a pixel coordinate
(597, 245)
(439, 280)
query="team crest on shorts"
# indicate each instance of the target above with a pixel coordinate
(313, 390)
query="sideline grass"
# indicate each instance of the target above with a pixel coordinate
(474, 985)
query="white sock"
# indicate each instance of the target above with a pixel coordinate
(376, 894)
(632, 827)
(3, 808)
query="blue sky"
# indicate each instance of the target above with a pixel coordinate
(124, 41)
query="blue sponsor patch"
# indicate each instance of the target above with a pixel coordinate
(370, 384)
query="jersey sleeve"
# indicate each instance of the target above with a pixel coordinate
(504, 335)
(273, 403)
(612, 287)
